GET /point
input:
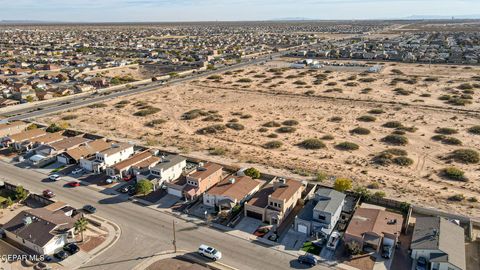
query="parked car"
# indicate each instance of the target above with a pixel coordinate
(261, 231)
(421, 264)
(387, 251)
(308, 259)
(48, 193)
(74, 184)
(77, 171)
(209, 252)
(333, 240)
(61, 255)
(109, 181)
(54, 177)
(128, 178)
(90, 209)
(127, 188)
(71, 248)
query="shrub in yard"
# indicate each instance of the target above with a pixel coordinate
(376, 111)
(402, 161)
(211, 129)
(467, 156)
(395, 139)
(454, 173)
(290, 123)
(474, 130)
(366, 118)
(155, 122)
(312, 144)
(342, 184)
(286, 130)
(272, 124)
(393, 124)
(446, 131)
(347, 146)
(320, 177)
(253, 173)
(273, 145)
(360, 131)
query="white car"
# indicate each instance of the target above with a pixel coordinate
(209, 252)
(77, 171)
(54, 177)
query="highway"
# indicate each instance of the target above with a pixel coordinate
(146, 231)
(75, 102)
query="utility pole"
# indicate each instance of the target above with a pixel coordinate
(174, 242)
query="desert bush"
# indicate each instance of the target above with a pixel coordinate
(246, 116)
(446, 131)
(376, 111)
(190, 115)
(147, 111)
(366, 90)
(453, 173)
(393, 124)
(467, 156)
(273, 145)
(360, 131)
(69, 117)
(211, 129)
(260, 76)
(272, 135)
(331, 84)
(474, 130)
(403, 161)
(213, 118)
(373, 185)
(286, 130)
(459, 101)
(395, 139)
(396, 152)
(347, 146)
(457, 198)
(425, 95)
(408, 129)
(351, 84)
(444, 97)
(465, 86)
(263, 129)
(439, 137)
(312, 144)
(309, 92)
(97, 105)
(431, 79)
(244, 80)
(379, 194)
(367, 80)
(290, 123)
(335, 119)
(399, 132)
(272, 124)
(403, 92)
(155, 122)
(367, 118)
(299, 83)
(327, 137)
(217, 151)
(452, 141)
(235, 126)
(214, 77)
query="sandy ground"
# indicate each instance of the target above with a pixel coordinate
(253, 104)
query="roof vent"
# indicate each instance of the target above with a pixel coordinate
(27, 220)
(231, 180)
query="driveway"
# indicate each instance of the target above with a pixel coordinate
(249, 225)
(293, 240)
(167, 201)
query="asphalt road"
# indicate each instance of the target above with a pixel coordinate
(75, 102)
(146, 231)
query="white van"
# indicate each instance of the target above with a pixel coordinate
(209, 252)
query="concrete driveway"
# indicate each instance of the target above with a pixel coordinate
(293, 240)
(249, 225)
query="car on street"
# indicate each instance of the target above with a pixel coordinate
(89, 209)
(71, 248)
(387, 251)
(77, 171)
(54, 177)
(74, 184)
(48, 193)
(421, 264)
(61, 255)
(209, 252)
(307, 259)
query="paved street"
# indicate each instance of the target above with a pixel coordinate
(146, 232)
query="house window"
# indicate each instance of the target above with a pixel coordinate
(320, 217)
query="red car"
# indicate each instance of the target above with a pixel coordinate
(48, 193)
(74, 184)
(128, 178)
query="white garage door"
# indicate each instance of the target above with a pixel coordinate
(62, 159)
(175, 192)
(302, 228)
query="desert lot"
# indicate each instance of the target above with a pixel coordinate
(332, 120)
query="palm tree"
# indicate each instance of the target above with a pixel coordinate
(81, 226)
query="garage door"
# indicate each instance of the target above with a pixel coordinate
(302, 228)
(63, 160)
(175, 192)
(254, 215)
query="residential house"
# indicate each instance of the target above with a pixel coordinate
(17, 140)
(43, 230)
(372, 226)
(169, 168)
(118, 152)
(11, 128)
(124, 167)
(73, 156)
(440, 241)
(320, 215)
(232, 190)
(47, 153)
(197, 182)
(274, 202)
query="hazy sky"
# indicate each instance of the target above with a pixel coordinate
(212, 10)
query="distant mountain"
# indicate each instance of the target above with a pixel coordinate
(437, 17)
(21, 21)
(293, 19)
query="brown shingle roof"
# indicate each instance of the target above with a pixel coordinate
(27, 135)
(374, 220)
(49, 138)
(209, 169)
(88, 149)
(242, 186)
(285, 192)
(133, 160)
(68, 143)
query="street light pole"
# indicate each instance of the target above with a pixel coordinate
(174, 242)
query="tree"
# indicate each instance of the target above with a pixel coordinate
(342, 184)
(144, 187)
(81, 225)
(20, 193)
(353, 248)
(29, 99)
(8, 202)
(321, 176)
(253, 173)
(363, 193)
